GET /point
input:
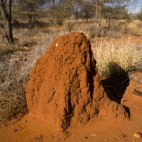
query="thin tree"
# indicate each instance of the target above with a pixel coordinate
(30, 10)
(5, 9)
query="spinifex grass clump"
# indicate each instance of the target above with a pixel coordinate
(115, 57)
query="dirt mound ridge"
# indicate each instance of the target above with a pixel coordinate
(64, 88)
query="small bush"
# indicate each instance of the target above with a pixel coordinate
(116, 57)
(135, 28)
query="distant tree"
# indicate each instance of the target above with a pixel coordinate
(116, 12)
(67, 6)
(30, 10)
(139, 15)
(87, 10)
(76, 8)
(132, 8)
(61, 9)
(5, 10)
(114, 9)
(58, 13)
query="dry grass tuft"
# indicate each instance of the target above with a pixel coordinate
(116, 57)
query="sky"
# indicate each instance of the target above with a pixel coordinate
(136, 5)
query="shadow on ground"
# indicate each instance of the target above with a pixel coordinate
(115, 86)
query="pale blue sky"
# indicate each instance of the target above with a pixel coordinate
(139, 5)
(134, 6)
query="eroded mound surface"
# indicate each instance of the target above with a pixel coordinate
(64, 88)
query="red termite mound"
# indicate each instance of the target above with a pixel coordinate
(64, 87)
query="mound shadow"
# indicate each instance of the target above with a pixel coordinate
(116, 84)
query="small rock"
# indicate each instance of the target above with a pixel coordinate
(138, 135)
(56, 44)
(140, 81)
(137, 92)
(86, 137)
(122, 101)
(15, 130)
(25, 48)
(25, 121)
(124, 136)
(39, 137)
(114, 139)
(93, 135)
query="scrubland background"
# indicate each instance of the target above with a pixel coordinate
(114, 30)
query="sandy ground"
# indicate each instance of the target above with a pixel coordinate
(30, 129)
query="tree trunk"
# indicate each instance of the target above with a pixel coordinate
(96, 12)
(30, 21)
(6, 15)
